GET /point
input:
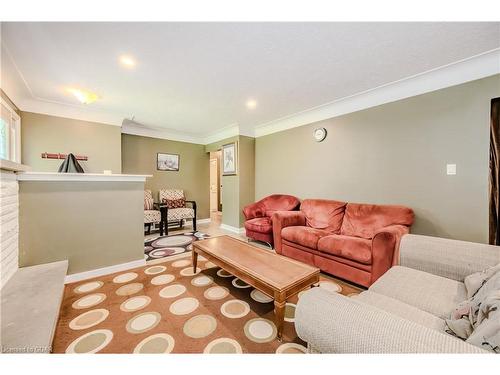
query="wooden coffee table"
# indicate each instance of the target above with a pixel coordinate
(274, 275)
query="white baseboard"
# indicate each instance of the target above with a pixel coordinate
(232, 229)
(189, 223)
(204, 221)
(104, 271)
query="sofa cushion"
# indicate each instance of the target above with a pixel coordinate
(259, 224)
(363, 220)
(323, 214)
(353, 248)
(402, 310)
(304, 236)
(435, 294)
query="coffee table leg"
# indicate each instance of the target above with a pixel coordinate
(195, 260)
(279, 311)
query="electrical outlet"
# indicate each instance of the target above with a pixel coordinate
(451, 169)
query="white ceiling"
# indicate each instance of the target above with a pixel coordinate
(194, 78)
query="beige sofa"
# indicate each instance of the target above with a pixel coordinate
(404, 310)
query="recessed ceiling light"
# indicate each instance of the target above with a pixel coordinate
(83, 96)
(251, 104)
(127, 61)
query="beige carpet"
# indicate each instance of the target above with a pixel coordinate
(165, 308)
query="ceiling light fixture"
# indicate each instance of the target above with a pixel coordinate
(251, 104)
(83, 96)
(127, 61)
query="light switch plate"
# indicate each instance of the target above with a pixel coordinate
(451, 169)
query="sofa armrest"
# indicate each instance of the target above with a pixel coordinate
(253, 210)
(283, 219)
(385, 249)
(333, 323)
(448, 258)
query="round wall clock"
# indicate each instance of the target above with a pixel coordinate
(319, 134)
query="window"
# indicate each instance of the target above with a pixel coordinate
(10, 133)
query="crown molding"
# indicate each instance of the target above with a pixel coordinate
(46, 107)
(172, 135)
(19, 91)
(227, 132)
(476, 67)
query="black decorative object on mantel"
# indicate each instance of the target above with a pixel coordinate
(71, 165)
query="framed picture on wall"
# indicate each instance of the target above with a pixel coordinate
(167, 162)
(229, 159)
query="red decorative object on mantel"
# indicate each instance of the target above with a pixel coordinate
(47, 155)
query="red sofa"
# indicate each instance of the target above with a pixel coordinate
(258, 224)
(356, 242)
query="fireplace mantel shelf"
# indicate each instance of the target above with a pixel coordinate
(81, 177)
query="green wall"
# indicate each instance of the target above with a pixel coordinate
(139, 157)
(43, 133)
(247, 174)
(91, 224)
(395, 154)
(238, 190)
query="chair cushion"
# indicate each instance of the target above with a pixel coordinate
(175, 203)
(402, 310)
(323, 214)
(166, 194)
(148, 203)
(304, 236)
(271, 204)
(363, 220)
(353, 248)
(180, 213)
(152, 216)
(435, 294)
(260, 225)
(280, 202)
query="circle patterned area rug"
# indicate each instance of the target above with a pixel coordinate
(162, 308)
(174, 244)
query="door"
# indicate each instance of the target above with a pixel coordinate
(214, 185)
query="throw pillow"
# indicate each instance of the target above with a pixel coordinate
(489, 285)
(486, 334)
(477, 280)
(460, 323)
(148, 203)
(175, 203)
(477, 320)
